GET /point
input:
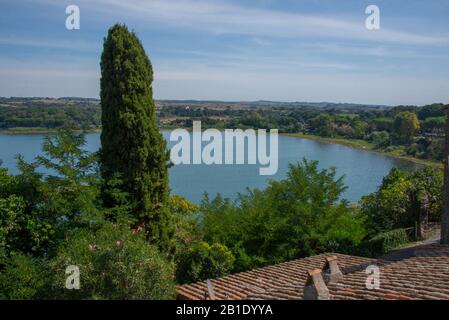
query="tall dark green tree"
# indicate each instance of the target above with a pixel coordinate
(134, 157)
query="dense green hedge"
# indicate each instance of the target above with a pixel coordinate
(386, 241)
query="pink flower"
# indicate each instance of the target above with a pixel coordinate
(137, 230)
(118, 243)
(92, 246)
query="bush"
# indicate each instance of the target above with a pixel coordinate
(402, 198)
(299, 216)
(203, 261)
(386, 241)
(415, 150)
(184, 222)
(396, 150)
(381, 139)
(23, 277)
(435, 150)
(114, 263)
(11, 208)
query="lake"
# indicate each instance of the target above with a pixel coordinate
(363, 170)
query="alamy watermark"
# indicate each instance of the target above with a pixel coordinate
(373, 277)
(72, 22)
(190, 149)
(72, 282)
(372, 22)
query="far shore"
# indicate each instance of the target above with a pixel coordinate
(351, 143)
(365, 145)
(39, 130)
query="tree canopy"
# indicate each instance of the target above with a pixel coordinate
(134, 157)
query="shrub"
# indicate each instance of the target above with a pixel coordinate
(184, 222)
(402, 198)
(435, 150)
(381, 139)
(299, 216)
(10, 210)
(115, 262)
(23, 277)
(386, 241)
(416, 150)
(202, 261)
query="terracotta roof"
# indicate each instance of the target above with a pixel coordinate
(417, 273)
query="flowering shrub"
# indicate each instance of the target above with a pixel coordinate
(115, 262)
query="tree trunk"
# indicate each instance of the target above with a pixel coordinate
(445, 216)
(423, 218)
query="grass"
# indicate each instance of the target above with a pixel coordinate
(365, 145)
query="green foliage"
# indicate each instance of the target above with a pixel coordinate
(22, 227)
(425, 148)
(115, 262)
(401, 197)
(387, 208)
(348, 121)
(49, 113)
(42, 209)
(382, 124)
(185, 223)
(202, 261)
(434, 124)
(23, 277)
(71, 191)
(405, 126)
(385, 242)
(323, 125)
(432, 111)
(296, 217)
(381, 139)
(133, 152)
(435, 150)
(359, 127)
(11, 212)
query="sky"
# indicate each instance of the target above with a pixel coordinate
(246, 50)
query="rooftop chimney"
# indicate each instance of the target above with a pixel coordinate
(335, 274)
(315, 288)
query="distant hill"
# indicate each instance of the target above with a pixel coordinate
(168, 102)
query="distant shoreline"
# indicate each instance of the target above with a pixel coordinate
(364, 145)
(40, 130)
(351, 143)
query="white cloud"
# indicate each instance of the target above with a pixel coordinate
(265, 67)
(59, 44)
(224, 18)
(22, 78)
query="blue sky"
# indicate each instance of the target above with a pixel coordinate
(284, 50)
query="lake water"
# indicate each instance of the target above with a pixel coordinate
(364, 170)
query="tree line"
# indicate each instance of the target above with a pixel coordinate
(64, 113)
(404, 130)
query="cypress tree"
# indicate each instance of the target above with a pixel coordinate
(134, 156)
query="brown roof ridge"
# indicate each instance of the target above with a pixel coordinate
(421, 272)
(262, 279)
